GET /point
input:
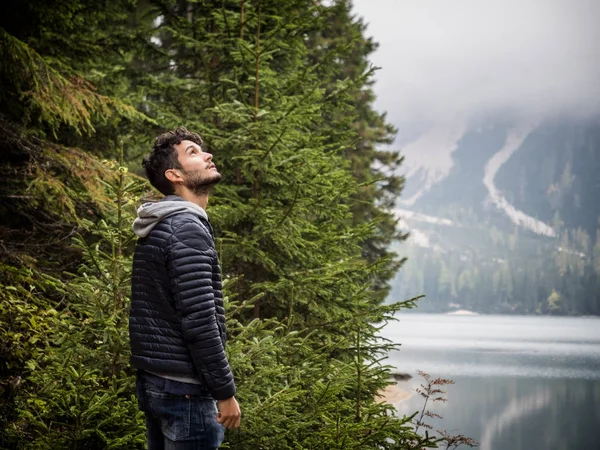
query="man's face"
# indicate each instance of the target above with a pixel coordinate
(199, 172)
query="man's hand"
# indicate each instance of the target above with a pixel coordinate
(229, 413)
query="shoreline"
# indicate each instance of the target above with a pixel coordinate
(394, 394)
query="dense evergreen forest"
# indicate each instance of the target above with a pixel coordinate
(281, 93)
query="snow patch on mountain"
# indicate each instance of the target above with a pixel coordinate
(419, 217)
(416, 236)
(431, 156)
(514, 139)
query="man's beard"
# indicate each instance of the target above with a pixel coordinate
(200, 185)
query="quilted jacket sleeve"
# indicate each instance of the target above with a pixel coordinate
(190, 260)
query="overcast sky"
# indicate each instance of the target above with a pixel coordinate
(448, 60)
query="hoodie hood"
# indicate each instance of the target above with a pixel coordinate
(149, 214)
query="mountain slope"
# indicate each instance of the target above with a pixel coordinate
(524, 238)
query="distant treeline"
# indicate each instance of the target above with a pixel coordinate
(512, 273)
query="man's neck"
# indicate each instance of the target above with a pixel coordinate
(200, 200)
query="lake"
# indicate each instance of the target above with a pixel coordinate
(521, 382)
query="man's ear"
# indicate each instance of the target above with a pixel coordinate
(174, 176)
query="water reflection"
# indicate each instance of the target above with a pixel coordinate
(525, 384)
(517, 411)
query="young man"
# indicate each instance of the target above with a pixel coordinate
(177, 320)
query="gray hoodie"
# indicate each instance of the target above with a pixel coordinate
(151, 213)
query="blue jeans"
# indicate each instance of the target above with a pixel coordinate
(178, 421)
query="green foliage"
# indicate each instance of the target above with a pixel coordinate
(301, 216)
(301, 389)
(50, 96)
(79, 393)
(35, 289)
(554, 301)
(24, 315)
(342, 43)
(314, 389)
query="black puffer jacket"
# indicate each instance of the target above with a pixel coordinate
(177, 320)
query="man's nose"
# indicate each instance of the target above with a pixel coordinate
(208, 156)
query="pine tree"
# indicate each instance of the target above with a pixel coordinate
(301, 235)
(79, 393)
(342, 42)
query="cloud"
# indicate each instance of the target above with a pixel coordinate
(448, 60)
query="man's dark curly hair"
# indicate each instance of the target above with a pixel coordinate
(164, 157)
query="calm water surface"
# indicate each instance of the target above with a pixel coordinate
(521, 383)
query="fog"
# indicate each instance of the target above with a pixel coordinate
(453, 61)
